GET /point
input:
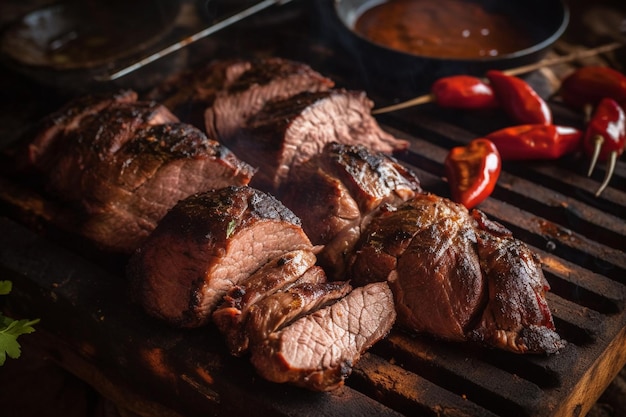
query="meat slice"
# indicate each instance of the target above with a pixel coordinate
(457, 278)
(60, 123)
(285, 133)
(281, 308)
(337, 191)
(126, 196)
(228, 91)
(318, 350)
(207, 244)
(231, 315)
(264, 80)
(121, 164)
(190, 92)
(426, 251)
(517, 316)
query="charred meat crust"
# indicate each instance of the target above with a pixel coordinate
(119, 164)
(458, 276)
(265, 80)
(285, 133)
(338, 191)
(208, 243)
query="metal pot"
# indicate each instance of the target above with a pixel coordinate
(401, 74)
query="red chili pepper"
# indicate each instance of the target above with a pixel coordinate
(463, 92)
(535, 141)
(586, 86)
(473, 171)
(605, 137)
(518, 99)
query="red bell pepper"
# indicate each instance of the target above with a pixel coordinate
(463, 92)
(586, 86)
(518, 99)
(605, 137)
(472, 171)
(536, 141)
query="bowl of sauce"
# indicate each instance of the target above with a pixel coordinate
(417, 41)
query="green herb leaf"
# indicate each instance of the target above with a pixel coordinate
(8, 337)
(10, 329)
(5, 287)
(231, 228)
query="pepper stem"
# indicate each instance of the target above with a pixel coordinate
(598, 140)
(609, 173)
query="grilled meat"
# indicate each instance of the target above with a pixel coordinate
(337, 191)
(285, 133)
(264, 80)
(207, 244)
(190, 92)
(517, 316)
(456, 277)
(124, 163)
(231, 315)
(281, 308)
(318, 350)
(241, 247)
(60, 123)
(228, 91)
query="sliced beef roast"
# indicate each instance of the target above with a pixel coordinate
(281, 308)
(517, 316)
(123, 166)
(231, 315)
(457, 278)
(337, 191)
(190, 92)
(264, 80)
(285, 133)
(205, 246)
(230, 90)
(318, 350)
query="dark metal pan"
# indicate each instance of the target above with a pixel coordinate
(64, 45)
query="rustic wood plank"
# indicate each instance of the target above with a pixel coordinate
(579, 400)
(409, 392)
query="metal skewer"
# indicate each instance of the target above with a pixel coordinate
(427, 98)
(193, 38)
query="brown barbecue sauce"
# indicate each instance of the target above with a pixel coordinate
(441, 28)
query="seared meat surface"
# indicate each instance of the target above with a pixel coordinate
(517, 316)
(206, 245)
(456, 277)
(318, 350)
(238, 257)
(286, 133)
(190, 92)
(123, 164)
(222, 94)
(338, 191)
(265, 80)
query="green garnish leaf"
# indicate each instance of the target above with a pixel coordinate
(9, 334)
(231, 228)
(5, 287)
(11, 329)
